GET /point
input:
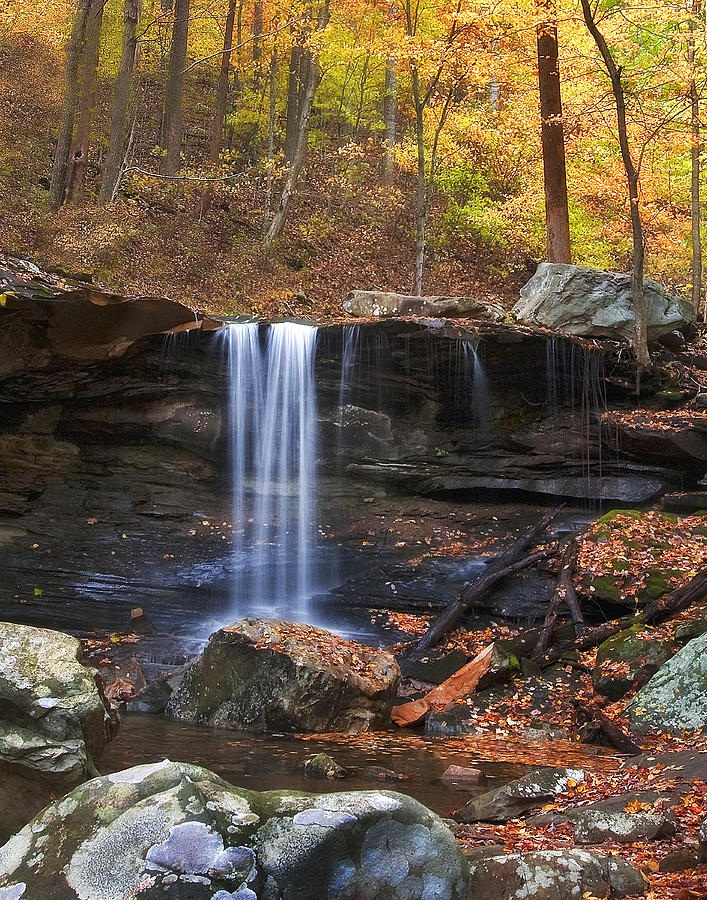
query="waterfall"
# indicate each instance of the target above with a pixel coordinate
(472, 388)
(272, 441)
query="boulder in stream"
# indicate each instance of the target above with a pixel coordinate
(174, 831)
(54, 720)
(592, 303)
(264, 675)
(520, 796)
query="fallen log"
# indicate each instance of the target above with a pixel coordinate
(514, 559)
(616, 736)
(683, 597)
(460, 684)
(562, 588)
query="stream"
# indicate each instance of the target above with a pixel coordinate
(272, 762)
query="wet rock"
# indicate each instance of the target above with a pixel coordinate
(519, 796)
(139, 622)
(323, 766)
(630, 659)
(266, 675)
(678, 861)
(172, 830)
(675, 699)
(592, 303)
(54, 720)
(378, 773)
(545, 732)
(432, 666)
(386, 303)
(554, 875)
(684, 765)
(154, 697)
(462, 775)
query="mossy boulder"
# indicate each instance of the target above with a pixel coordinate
(554, 875)
(675, 699)
(264, 675)
(629, 660)
(54, 720)
(174, 831)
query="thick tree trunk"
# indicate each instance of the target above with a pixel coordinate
(221, 104)
(695, 151)
(78, 157)
(293, 101)
(121, 101)
(390, 110)
(172, 127)
(553, 139)
(222, 89)
(74, 53)
(632, 176)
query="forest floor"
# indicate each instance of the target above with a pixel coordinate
(152, 241)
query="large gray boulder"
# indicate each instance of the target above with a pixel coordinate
(554, 875)
(54, 720)
(675, 699)
(178, 832)
(520, 796)
(380, 304)
(593, 303)
(264, 675)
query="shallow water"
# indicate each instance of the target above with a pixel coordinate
(267, 762)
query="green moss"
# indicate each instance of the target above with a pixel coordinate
(610, 517)
(656, 584)
(607, 588)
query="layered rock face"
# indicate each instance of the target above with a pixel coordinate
(263, 675)
(172, 830)
(54, 720)
(592, 303)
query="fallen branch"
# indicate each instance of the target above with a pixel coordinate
(511, 560)
(617, 737)
(460, 684)
(561, 593)
(656, 611)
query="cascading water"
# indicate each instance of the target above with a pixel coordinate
(273, 440)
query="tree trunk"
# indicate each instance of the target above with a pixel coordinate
(121, 101)
(553, 140)
(57, 186)
(421, 192)
(390, 109)
(632, 176)
(293, 104)
(76, 168)
(222, 89)
(695, 150)
(300, 152)
(221, 105)
(267, 215)
(172, 132)
(257, 35)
